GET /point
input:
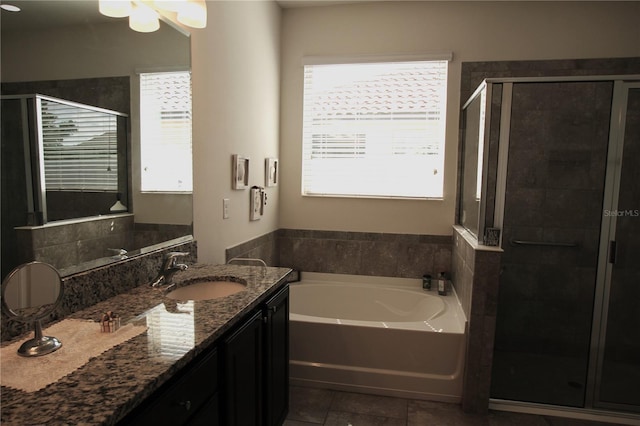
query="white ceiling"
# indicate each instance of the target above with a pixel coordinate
(56, 13)
(52, 13)
(49, 14)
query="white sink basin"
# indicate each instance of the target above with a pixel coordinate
(207, 290)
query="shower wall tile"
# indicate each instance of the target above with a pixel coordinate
(107, 92)
(473, 73)
(524, 204)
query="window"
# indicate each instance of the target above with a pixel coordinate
(80, 147)
(165, 132)
(374, 129)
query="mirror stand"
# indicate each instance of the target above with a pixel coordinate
(31, 292)
(39, 345)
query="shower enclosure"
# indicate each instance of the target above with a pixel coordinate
(550, 165)
(61, 161)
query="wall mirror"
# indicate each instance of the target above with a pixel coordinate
(29, 293)
(67, 50)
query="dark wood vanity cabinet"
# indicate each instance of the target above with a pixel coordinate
(276, 386)
(243, 380)
(256, 366)
(190, 398)
(244, 374)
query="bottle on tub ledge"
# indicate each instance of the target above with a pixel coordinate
(443, 283)
(426, 282)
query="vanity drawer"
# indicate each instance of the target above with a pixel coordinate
(182, 399)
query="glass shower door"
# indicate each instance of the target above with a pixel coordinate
(619, 364)
(558, 145)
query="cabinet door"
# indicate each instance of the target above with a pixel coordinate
(243, 374)
(208, 415)
(181, 399)
(277, 358)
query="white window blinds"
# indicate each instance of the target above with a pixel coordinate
(80, 148)
(165, 132)
(374, 129)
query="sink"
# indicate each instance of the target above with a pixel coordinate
(207, 289)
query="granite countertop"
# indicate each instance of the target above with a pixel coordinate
(110, 385)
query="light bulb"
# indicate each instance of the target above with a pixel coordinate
(193, 13)
(169, 5)
(143, 19)
(115, 8)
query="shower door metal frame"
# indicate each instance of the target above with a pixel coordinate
(607, 235)
(33, 139)
(485, 87)
(592, 409)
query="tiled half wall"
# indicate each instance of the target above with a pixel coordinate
(475, 276)
(357, 253)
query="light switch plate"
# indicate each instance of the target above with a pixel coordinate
(225, 208)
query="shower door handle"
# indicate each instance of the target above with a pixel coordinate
(542, 243)
(612, 252)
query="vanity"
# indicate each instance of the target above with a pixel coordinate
(213, 361)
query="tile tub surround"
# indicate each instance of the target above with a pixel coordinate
(109, 386)
(475, 276)
(363, 253)
(264, 247)
(353, 253)
(83, 289)
(69, 242)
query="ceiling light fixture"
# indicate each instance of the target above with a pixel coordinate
(9, 7)
(144, 14)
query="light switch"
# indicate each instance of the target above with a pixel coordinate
(225, 208)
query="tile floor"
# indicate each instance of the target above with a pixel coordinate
(309, 406)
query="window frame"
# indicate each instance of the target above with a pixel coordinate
(391, 191)
(145, 135)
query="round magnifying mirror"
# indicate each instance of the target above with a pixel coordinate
(29, 293)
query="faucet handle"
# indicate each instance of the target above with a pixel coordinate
(175, 254)
(171, 257)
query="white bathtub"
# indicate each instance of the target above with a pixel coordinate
(376, 335)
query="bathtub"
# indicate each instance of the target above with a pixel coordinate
(378, 335)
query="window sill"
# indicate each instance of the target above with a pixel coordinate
(167, 192)
(374, 197)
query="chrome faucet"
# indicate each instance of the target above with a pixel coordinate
(241, 259)
(249, 259)
(169, 267)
